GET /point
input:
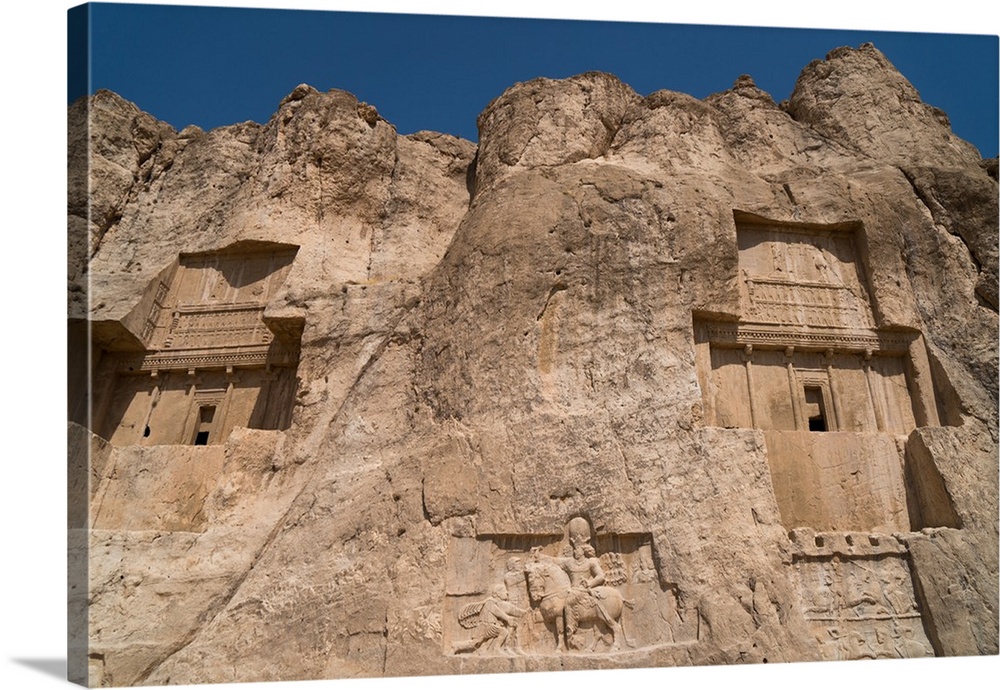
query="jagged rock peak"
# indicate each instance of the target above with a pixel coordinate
(747, 88)
(550, 122)
(857, 98)
(298, 93)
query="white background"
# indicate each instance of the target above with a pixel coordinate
(33, 93)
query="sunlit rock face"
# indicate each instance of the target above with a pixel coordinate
(639, 381)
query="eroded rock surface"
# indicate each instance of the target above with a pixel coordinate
(719, 377)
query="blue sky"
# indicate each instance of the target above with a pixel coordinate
(214, 66)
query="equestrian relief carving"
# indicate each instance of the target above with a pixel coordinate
(561, 596)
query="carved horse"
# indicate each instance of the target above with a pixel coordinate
(566, 607)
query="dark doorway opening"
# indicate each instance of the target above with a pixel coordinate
(816, 409)
(206, 415)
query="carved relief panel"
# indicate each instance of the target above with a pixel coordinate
(858, 597)
(217, 300)
(557, 594)
(801, 277)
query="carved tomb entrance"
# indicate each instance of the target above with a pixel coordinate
(210, 361)
(836, 396)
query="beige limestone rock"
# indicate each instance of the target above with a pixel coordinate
(719, 377)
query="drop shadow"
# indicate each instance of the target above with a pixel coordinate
(55, 667)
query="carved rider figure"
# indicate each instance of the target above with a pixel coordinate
(583, 567)
(581, 564)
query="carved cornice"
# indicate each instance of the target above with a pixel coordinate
(816, 339)
(221, 358)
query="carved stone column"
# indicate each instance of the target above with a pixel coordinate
(793, 390)
(748, 363)
(866, 364)
(837, 416)
(154, 396)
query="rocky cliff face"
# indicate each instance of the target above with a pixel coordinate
(362, 401)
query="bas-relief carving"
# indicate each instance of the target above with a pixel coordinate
(800, 278)
(494, 621)
(858, 597)
(217, 300)
(551, 596)
(570, 592)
